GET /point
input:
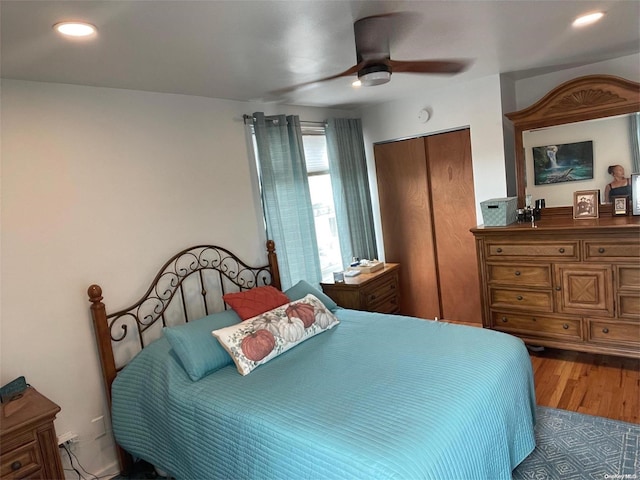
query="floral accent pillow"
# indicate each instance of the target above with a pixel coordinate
(257, 340)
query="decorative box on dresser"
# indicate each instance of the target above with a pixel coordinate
(374, 292)
(28, 441)
(571, 284)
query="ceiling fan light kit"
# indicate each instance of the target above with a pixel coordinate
(374, 75)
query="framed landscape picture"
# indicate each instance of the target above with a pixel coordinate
(565, 162)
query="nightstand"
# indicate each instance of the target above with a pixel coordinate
(374, 292)
(28, 441)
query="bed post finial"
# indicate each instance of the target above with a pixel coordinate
(273, 264)
(95, 293)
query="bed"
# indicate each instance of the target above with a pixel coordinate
(371, 396)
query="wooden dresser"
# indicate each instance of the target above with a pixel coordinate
(374, 292)
(28, 441)
(571, 284)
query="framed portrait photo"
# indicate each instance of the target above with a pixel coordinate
(585, 204)
(619, 205)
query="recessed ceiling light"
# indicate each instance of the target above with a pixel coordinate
(75, 29)
(587, 19)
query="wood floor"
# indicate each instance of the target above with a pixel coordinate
(600, 385)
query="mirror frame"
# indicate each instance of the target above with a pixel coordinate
(583, 98)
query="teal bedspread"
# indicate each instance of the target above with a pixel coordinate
(377, 397)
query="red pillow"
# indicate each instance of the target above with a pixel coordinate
(253, 302)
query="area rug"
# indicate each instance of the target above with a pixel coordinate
(569, 446)
(572, 446)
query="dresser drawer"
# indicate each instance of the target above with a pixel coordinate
(538, 300)
(538, 325)
(615, 333)
(520, 275)
(612, 250)
(539, 250)
(21, 462)
(15, 441)
(629, 305)
(377, 291)
(628, 277)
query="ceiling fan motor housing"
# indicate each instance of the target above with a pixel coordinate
(375, 74)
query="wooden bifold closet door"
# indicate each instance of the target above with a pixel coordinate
(427, 206)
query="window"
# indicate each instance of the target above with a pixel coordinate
(315, 152)
(324, 212)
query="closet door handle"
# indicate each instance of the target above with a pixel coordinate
(558, 289)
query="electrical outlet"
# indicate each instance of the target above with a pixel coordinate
(67, 439)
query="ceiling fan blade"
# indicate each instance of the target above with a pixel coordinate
(428, 66)
(299, 86)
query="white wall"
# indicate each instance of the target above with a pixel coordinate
(102, 186)
(530, 90)
(475, 104)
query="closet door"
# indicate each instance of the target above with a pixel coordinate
(405, 212)
(453, 208)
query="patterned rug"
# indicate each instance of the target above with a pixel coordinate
(570, 446)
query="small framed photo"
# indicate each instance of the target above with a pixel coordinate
(585, 203)
(620, 205)
(635, 194)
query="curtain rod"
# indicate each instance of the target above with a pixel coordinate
(246, 118)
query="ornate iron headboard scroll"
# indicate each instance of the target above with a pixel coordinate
(168, 290)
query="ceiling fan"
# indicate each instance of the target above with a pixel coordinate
(374, 64)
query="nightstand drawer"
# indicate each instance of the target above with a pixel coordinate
(385, 287)
(525, 275)
(538, 300)
(21, 462)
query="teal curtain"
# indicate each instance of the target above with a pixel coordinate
(350, 183)
(286, 198)
(634, 135)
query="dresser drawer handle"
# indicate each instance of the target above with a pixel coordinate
(17, 465)
(519, 297)
(517, 272)
(601, 250)
(561, 250)
(534, 319)
(504, 320)
(565, 326)
(605, 330)
(499, 250)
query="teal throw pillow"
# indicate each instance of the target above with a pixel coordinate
(198, 350)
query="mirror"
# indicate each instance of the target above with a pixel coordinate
(571, 109)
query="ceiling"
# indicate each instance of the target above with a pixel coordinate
(246, 49)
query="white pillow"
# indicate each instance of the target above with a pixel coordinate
(259, 339)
